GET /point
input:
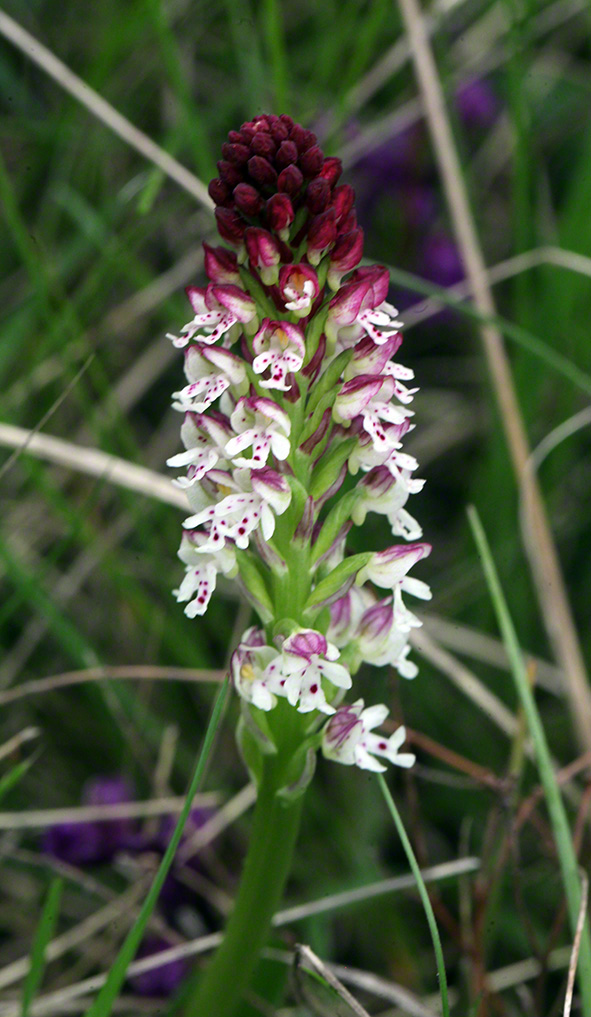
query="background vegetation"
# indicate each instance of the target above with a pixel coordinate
(97, 246)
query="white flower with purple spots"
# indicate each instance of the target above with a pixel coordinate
(298, 286)
(307, 659)
(380, 492)
(201, 572)
(217, 310)
(250, 500)
(280, 348)
(250, 666)
(204, 439)
(348, 739)
(261, 424)
(210, 372)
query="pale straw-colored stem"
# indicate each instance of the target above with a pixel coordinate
(101, 109)
(539, 544)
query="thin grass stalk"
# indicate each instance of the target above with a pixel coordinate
(562, 834)
(422, 893)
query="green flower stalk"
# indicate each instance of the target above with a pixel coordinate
(294, 417)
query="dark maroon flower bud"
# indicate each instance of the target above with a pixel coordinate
(248, 132)
(322, 233)
(263, 144)
(343, 199)
(235, 137)
(279, 132)
(262, 172)
(345, 255)
(286, 120)
(248, 199)
(348, 223)
(311, 161)
(331, 169)
(290, 180)
(263, 251)
(218, 191)
(230, 173)
(303, 138)
(231, 226)
(288, 153)
(280, 214)
(236, 153)
(318, 195)
(221, 265)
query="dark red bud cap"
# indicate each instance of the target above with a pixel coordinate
(231, 226)
(236, 153)
(230, 173)
(290, 180)
(218, 191)
(318, 195)
(343, 198)
(263, 144)
(248, 199)
(304, 139)
(262, 172)
(348, 223)
(322, 230)
(219, 263)
(248, 132)
(286, 120)
(311, 161)
(348, 250)
(280, 212)
(279, 131)
(331, 169)
(235, 137)
(288, 153)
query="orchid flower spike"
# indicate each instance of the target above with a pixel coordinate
(293, 381)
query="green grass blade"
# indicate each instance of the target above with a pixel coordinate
(10, 779)
(44, 933)
(556, 810)
(103, 1004)
(422, 893)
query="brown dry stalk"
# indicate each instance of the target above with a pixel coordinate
(539, 544)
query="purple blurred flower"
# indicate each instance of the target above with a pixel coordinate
(161, 981)
(440, 260)
(418, 204)
(76, 843)
(85, 843)
(477, 104)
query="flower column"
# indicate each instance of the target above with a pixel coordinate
(292, 392)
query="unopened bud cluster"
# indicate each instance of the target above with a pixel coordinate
(292, 391)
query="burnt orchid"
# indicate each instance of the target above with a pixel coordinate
(294, 418)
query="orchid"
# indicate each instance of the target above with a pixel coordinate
(293, 388)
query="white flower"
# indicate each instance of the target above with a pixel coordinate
(210, 372)
(281, 347)
(248, 497)
(250, 669)
(201, 572)
(204, 439)
(307, 658)
(262, 424)
(380, 492)
(347, 739)
(217, 310)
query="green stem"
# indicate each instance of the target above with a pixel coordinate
(265, 872)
